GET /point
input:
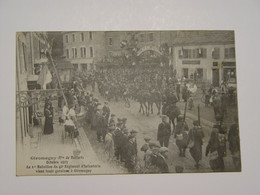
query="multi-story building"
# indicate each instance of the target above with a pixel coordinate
(29, 57)
(84, 49)
(206, 55)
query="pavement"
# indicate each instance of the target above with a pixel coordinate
(92, 152)
(55, 148)
(147, 126)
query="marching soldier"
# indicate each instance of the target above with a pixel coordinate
(164, 132)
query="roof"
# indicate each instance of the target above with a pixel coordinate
(203, 37)
(63, 64)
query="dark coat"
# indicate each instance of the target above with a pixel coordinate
(160, 162)
(164, 130)
(196, 135)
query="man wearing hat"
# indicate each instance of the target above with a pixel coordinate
(106, 111)
(196, 136)
(181, 135)
(112, 121)
(164, 132)
(109, 143)
(124, 141)
(160, 160)
(118, 136)
(131, 152)
(145, 148)
(151, 150)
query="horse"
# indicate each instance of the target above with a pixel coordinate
(155, 97)
(143, 98)
(172, 111)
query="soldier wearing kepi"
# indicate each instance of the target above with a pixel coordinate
(164, 132)
(131, 154)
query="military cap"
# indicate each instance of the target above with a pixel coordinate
(147, 138)
(154, 144)
(163, 149)
(133, 131)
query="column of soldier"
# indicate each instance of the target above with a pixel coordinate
(121, 144)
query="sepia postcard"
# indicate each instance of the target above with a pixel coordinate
(126, 102)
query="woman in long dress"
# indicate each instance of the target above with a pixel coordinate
(48, 125)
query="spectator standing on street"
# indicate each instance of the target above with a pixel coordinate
(48, 113)
(181, 135)
(112, 121)
(109, 144)
(131, 154)
(106, 111)
(234, 145)
(164, 132)
(216, 150)
(196, 136)
(118, 134)
(160, 160)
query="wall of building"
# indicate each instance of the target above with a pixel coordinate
(28, 48)
(208, 63)
(94, 40)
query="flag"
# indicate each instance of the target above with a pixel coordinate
(45, 77)
(123, 43)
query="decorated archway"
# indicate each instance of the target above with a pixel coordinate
(148, 48)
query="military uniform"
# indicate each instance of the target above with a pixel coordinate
(164, 133)
(181, 135)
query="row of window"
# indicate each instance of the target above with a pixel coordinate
(82, 37)
(144, 38)
(202, 53)
(193, 53)
(83, 52)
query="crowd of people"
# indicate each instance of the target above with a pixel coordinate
(120, 141)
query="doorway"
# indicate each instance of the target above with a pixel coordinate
(215, 77)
